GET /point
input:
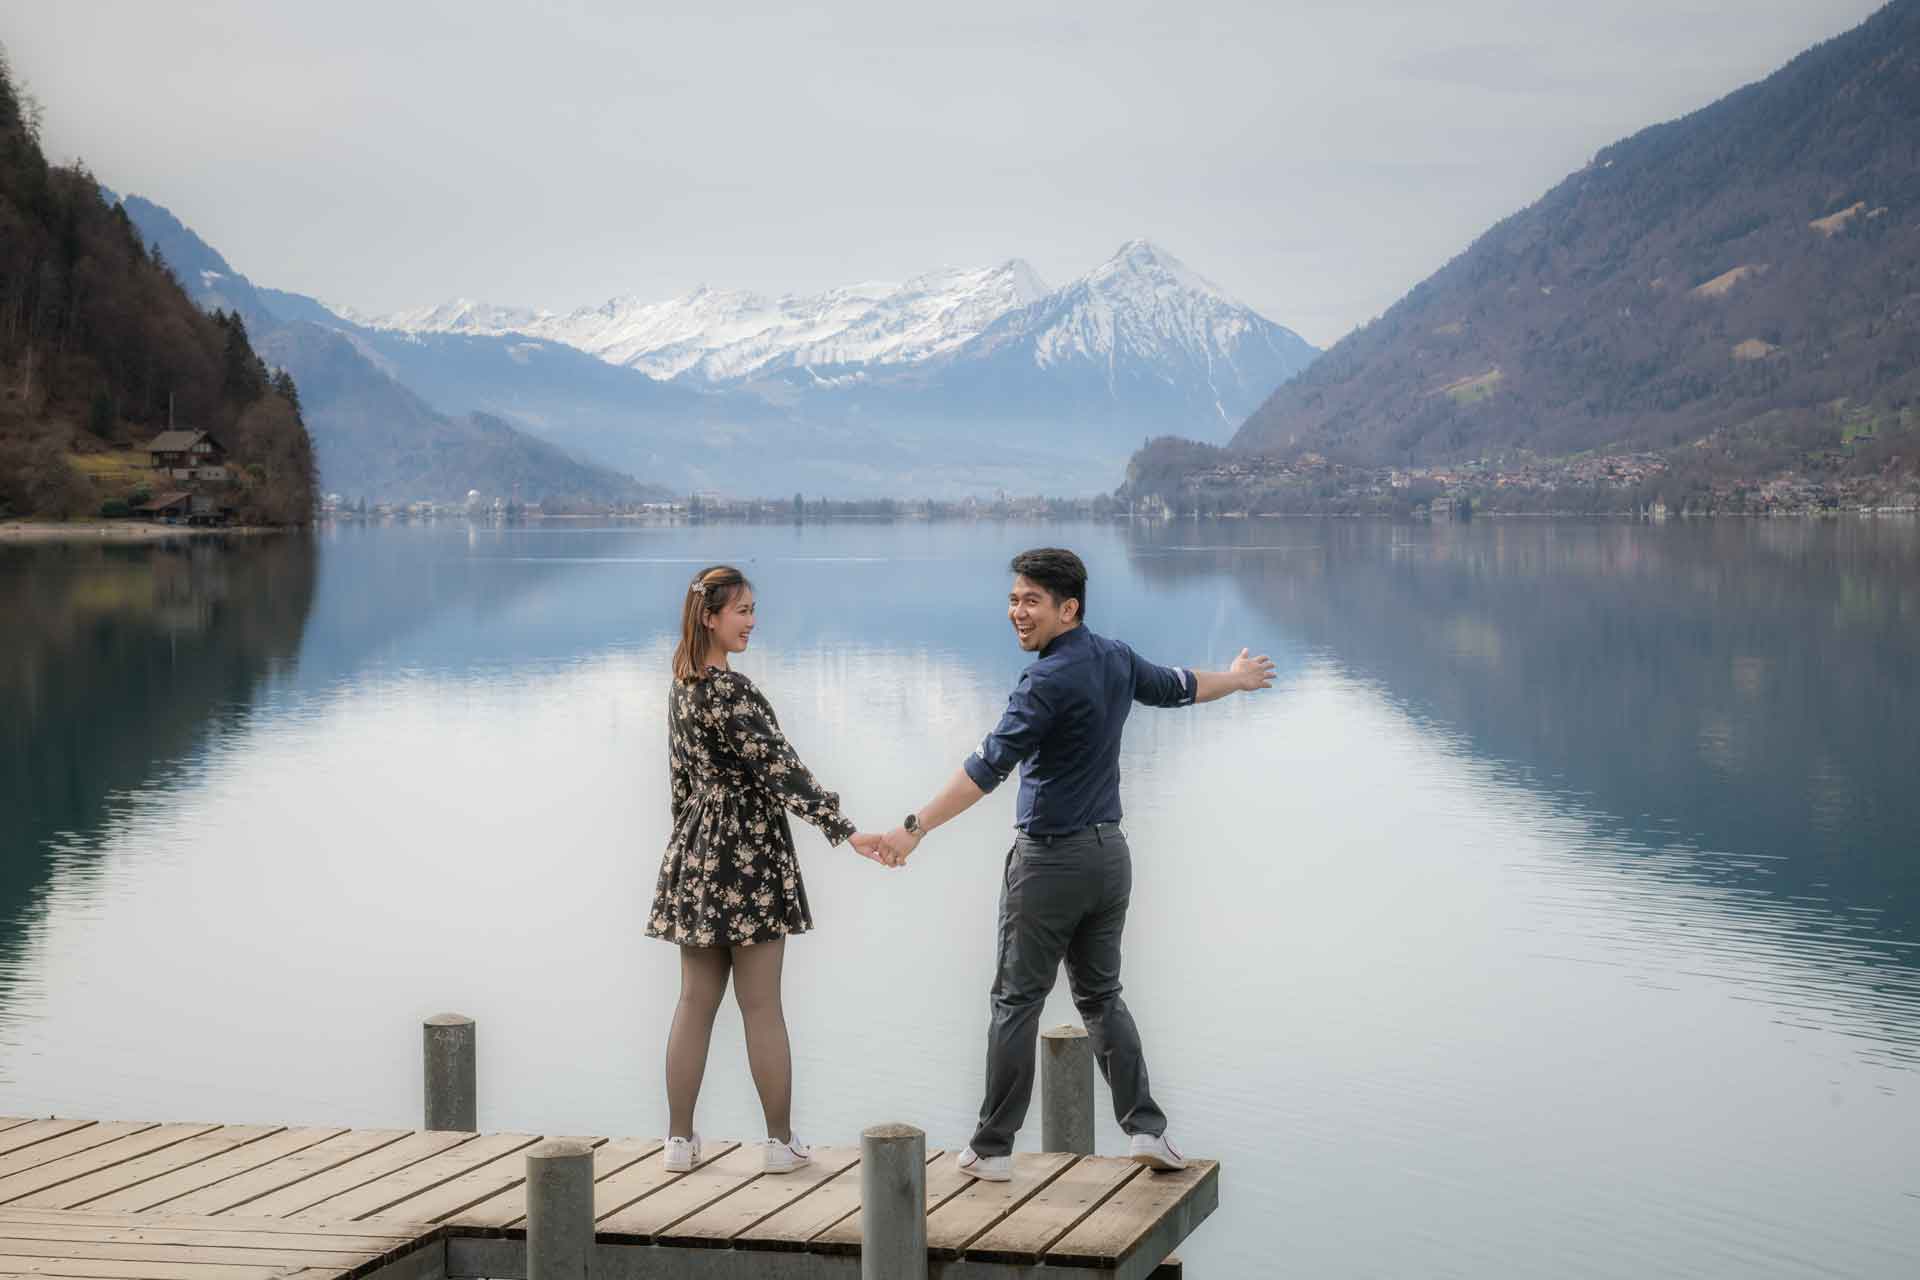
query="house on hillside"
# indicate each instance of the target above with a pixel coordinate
(188, 455)
(165, 506)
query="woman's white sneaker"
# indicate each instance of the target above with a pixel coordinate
(985, 1168)
(784, 1157)
(1155, 1152)
(683, 1154)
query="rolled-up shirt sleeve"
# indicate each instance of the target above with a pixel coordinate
(1157, 686)
(1017, 736)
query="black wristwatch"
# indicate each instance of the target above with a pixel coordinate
(912, 824)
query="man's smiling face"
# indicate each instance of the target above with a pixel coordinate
(1037, 617)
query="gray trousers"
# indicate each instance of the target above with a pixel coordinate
(1064, 899)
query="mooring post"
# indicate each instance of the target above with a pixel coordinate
(452, 1101)
(893, 1203)
(560, 1210)
(1066, 1091)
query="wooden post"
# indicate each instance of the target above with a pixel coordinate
(450, 1073)
(1171, 1269)
(1066, 1091)
(893, 1203)
(560, 1211)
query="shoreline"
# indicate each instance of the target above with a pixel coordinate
(116, 531)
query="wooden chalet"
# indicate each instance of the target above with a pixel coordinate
(188, 455)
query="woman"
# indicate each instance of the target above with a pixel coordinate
(730, 891)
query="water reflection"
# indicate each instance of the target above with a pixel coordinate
(1730, 705)
(116, 664)
(1519, 931)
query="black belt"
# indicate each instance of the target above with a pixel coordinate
(1099, 831)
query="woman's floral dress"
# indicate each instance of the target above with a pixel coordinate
(730, 876)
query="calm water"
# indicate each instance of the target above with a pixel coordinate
(1557, 912)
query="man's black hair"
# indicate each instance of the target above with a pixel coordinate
(1058, 571)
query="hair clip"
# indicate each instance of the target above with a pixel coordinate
(698, 588)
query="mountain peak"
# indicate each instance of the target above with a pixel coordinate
(1143, 260)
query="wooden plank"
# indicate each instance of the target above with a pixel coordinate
(503, 1173)
(23, 1136)
(983, 1205)
(719, 1223)
(343, 1177)
(1149, 1216)
(944, 1181)
(167, 1221)
(13, 1122)
(242, 1193)
(646, 1178)
(81, 1163)
(119, 1177)
(280, 1255)
(343, 1245)
(102, 1270)
(62, 1138)
(791, 1228)
(382, 1195)
(509, 1207)
(641, 1221)
(206, 1173)
(1026, 1234)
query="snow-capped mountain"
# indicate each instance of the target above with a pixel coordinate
(729, 335)
(1140, 342)
(1158, 339)
(462, 315)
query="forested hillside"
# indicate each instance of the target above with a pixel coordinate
(99, 346)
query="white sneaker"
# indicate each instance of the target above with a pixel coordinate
(683, 1154)
(784, 1157)
(985, 1168)
(1155, 1152)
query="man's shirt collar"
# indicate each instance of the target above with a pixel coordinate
(1072, 635)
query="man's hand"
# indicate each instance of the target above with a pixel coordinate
(897, 846)
(867, 845)
(1252, 673)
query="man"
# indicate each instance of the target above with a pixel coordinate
(1069, 874)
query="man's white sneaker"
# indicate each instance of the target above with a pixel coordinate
(985, 1168)
(683, 1154)
(784, 1157)
(1155, 1152)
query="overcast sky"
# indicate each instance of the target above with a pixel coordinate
(1314, 159)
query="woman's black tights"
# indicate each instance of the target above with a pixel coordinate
(755, 971)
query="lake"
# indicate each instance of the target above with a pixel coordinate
(1556, 913)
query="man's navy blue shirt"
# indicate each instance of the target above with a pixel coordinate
(1062, 726)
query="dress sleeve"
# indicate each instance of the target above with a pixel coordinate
(679, 785)
(755, 737)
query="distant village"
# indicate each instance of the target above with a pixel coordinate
(716, 506)
(1638, 483)
(189, 474)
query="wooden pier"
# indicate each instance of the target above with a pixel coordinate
(150, 1201)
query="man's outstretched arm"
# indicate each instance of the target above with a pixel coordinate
(1158, 686)
(1244, 676)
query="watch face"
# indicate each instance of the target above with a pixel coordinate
(912, 823)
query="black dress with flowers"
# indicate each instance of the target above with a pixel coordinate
(730, 875)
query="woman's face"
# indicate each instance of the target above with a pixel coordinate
(732, 624)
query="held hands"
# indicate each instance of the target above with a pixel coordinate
(890, 850)
(1253, 673)
(898, 845)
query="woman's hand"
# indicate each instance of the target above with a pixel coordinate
(867, 845)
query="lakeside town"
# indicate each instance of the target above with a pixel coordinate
(181, 478)
(1650, 484)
